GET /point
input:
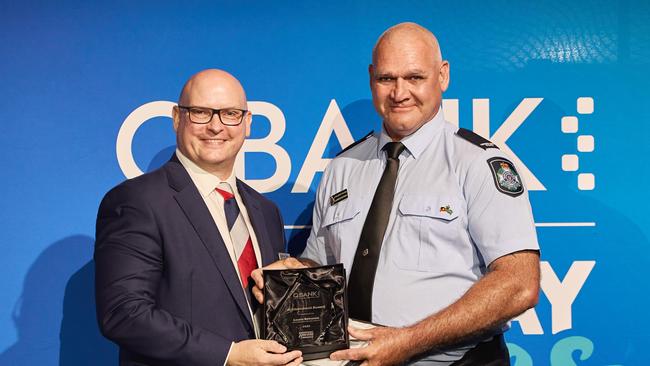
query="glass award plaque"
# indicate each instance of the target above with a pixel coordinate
(306, 309)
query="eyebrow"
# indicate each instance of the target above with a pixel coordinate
(407, 73)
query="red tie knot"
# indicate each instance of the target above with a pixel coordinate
(225, 194)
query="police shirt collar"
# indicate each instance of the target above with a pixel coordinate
(419, 140)
(204, 181)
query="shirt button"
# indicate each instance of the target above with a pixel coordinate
(365, 252)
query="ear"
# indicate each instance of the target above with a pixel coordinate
(371, 73)
(176, 117)
(248, 119)
(443, 76)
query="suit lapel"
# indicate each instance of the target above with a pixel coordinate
(256, 217)
(192, 204)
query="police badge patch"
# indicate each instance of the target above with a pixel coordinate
(506, 177)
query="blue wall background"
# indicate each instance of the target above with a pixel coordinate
(72, 72)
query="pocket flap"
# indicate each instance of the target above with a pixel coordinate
(437, 207)
(339, 212)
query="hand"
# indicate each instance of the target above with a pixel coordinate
(262, 352)
(386, 346)
(287, 263)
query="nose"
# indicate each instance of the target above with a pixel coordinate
(400, 91)
(215, 126)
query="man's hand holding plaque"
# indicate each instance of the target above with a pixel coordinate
(285, 263)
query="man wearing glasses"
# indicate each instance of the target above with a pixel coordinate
(175, 247)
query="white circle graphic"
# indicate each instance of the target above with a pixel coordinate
(133, 121)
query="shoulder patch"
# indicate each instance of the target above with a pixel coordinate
(505, 176)
(476, 139)
(364, 138)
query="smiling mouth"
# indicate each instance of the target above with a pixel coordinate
(399, 108)
(213, 141)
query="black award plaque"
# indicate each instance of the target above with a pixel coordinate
(306, 309)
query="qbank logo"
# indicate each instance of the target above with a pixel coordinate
(334, 123)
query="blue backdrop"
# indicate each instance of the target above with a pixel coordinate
(85, 96)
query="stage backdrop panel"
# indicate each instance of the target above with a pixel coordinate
(561, 86)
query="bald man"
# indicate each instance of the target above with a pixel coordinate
(175, 247)
(432, 222)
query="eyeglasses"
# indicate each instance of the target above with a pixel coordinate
(227, 116)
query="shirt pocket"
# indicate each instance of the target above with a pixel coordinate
(339, 225)
(429, 231)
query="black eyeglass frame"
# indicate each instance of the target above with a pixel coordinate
(214, 111)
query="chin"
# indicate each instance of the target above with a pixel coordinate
(215, 160)
(401, 124)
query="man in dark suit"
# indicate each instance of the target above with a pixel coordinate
(175, 247)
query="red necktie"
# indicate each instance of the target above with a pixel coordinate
(241, 240)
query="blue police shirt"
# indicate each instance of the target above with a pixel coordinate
(457, 207)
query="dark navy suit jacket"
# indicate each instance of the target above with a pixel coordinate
(166, 289)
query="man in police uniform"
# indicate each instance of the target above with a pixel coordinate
(459, 255)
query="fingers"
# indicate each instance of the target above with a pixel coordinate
(339, 355)
(295, 362)
(360, 334)
(257, 276)
(259, 295)
(272, 346)
(276, 356)
(262, 352)
(292, 263)
(349, 354)
(258, 292)
(292, 358)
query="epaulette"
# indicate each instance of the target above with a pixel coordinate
(364, 138)
(476, 139)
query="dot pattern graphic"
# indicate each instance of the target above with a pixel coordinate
(585, 144)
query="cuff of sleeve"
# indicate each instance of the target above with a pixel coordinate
(498, 250)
